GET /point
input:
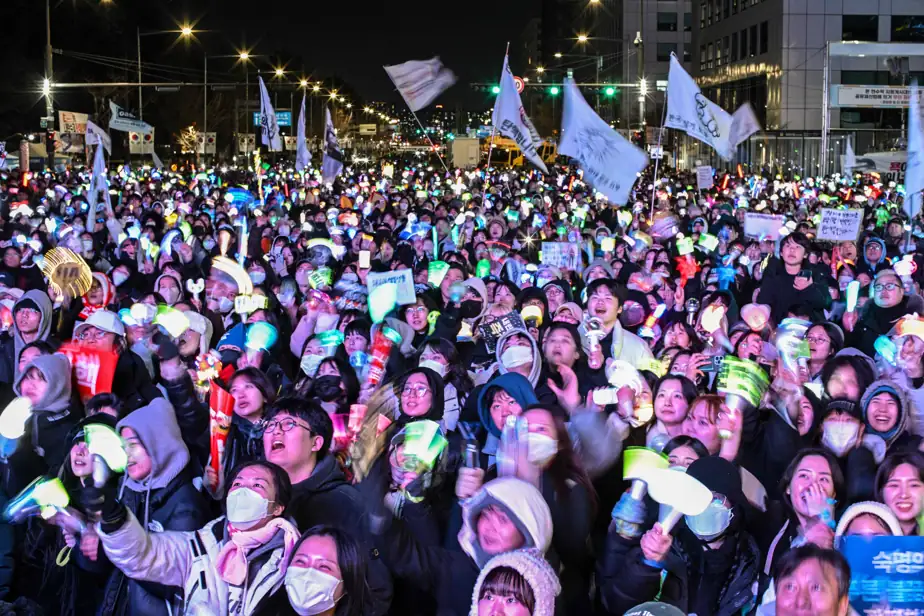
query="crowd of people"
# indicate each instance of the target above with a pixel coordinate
(464, 450)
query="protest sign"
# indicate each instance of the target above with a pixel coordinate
(839, 225)
(885, 574)
(491, 332)
(561, 254)
(766, 226)
(403, 279)
(94, 368)
(704, 177)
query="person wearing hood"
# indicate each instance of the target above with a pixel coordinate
(100, 295)
(196, 339)
(46, 382)
(557, 293)
(169, 288)
(505, 514)
(297, 435)
(232, 565)
(876, 318)
(886, 414)
(874, 256)
(132, 383)
(518, 583)
(710, 566)
(32, 320)
(504, 395)
(158, 491)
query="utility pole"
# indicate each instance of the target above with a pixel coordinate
(49, 106)
(205, 95)
(140, 112)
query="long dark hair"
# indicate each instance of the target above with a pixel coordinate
(456, 374)
(837, 476)
(566, 467)
(353, 565)
(892, 462)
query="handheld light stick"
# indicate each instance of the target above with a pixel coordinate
(13, 425)
(43, 496)
(593, 329)
(744, 383)
(106, 452)
(853, 294)
(711, 322)
(383, 341)
(629, 513)
(680, 494)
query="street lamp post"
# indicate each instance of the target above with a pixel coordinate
(49, 105)
(185, 31)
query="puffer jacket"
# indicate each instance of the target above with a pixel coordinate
(188, 560)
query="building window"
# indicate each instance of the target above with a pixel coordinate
(709, 13)
(752, 41)
(908, 29)
(718, 53)
(727, 51)
(726, 11)
(688, 22)
(702, 15)
(710, 54)
(860, 28)
(734, 6)
(687, 53)
(665, 50)
(744, 44)
(667, 22)
(734, 46)
(702, 57)
(764, 36)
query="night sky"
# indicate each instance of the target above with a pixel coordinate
(343, 42)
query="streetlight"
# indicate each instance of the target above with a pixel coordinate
(558, 54)
(303, 83)
(540, 69)
(186, 31)
(280, 72)
(244, 56)
(582, 38)
(316, 88)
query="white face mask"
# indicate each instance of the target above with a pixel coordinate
(711, 523)
(516, 356)
(310, 591)
(246, 508)
(310, 364)
(257, 276)
(119, 277)
(541, 448)
(839, 436)
(170, 295)
(436, 366)
(222, 305)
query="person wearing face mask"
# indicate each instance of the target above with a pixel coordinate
(220, 291)
(440, 356)
(326, 576)
(710, 565)
(169, 288)
(335, 386)
(234, 564)
(158, 491)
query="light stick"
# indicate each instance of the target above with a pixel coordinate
(680, 494)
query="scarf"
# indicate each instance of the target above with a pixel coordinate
(232, 559)
(108, 294)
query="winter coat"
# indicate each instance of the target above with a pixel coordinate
(626, 579)
(132, 382)
(192, 417)
(327, 498)
(450, 576)
(188, 560)
(620, 344)
(778, 292)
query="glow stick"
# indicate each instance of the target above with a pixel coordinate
(382, 300)
(13, 425)
(853, 294)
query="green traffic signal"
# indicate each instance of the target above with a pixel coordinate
(554, 90)
(495, 90)
(609, 91)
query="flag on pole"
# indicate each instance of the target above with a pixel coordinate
(332, 164)
(610, 162)
(302, 155)
(510, 119)
(850, 159)
(271, 138)
(420, 81)
(158, 163)
(125, 121)
(688, 110)
(744, 124)
(96, 135)
(98, 182)
(914, 172)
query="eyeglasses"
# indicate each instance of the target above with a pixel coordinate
(415, 391)
(417, 309)
(817, 340)
(91, 333)
(889, 286)
(286, 425)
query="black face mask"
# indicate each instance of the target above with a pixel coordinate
(470, 308)
(327, 388)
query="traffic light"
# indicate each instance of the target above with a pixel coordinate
(554, 90)
(609, 91)
(495, 90)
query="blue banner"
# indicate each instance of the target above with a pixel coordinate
(283, 118)
(887, 575)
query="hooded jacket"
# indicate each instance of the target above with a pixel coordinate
(450, 575)
(899, 438)
(166, 500)
(516, 386)
(540, 576)
(536, 368)
(12, 347)
(44, 446)
(108, 295)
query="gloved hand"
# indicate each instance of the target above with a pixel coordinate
(103, 504)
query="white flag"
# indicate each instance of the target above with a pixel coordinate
(744, 124)
(96, 135)
(850, 158)
(268, 123)
(610, 162)
(914, 172)
(302, 155)
(510, 119)
(158, 163)
(332, 164)
(125, 121)
(420, 81)
(693, 113)
(98, 183)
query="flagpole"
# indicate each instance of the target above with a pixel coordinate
(657, 160)
(494, 126)
(433, 145)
